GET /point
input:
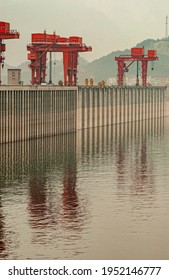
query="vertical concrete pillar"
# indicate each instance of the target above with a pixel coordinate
(79, 109)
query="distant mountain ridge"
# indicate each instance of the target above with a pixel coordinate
(105, 67)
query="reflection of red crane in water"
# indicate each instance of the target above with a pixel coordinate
(49, 206)
(141, 171)
(69, 195)
(3, 252)
(38, 207)
(121, 161)
(37, 204)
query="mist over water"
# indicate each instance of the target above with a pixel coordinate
(101, 193)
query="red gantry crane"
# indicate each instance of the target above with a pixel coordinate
(43, 43)
(137, 54)
(5, 33)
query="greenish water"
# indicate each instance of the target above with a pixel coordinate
(99, 194)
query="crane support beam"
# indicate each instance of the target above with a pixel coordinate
(144, 65)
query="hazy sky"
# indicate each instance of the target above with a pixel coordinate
(106, 25)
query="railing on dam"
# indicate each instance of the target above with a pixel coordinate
(38, 111)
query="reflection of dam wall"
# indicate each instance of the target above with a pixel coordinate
(34, 158)
(37, 111)
(61, 153)
(109, 139)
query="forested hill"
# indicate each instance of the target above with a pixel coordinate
(106, 66)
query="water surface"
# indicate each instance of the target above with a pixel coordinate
(101, 193)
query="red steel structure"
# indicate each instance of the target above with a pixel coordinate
(5, 33)
(137, 54)
(43, 43)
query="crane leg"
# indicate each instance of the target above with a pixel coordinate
(144, 73)
(120, 79)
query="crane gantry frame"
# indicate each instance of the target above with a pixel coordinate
(137, 54)
(5, 34)
(43, 43)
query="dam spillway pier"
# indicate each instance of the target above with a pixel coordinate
(28, 112)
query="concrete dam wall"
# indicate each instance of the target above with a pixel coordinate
(38, 111)
(112, 105)
(32, 112)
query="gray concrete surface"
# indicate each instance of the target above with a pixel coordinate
(38, 111)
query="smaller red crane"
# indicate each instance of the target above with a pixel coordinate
(137, 54)
(5, 33)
